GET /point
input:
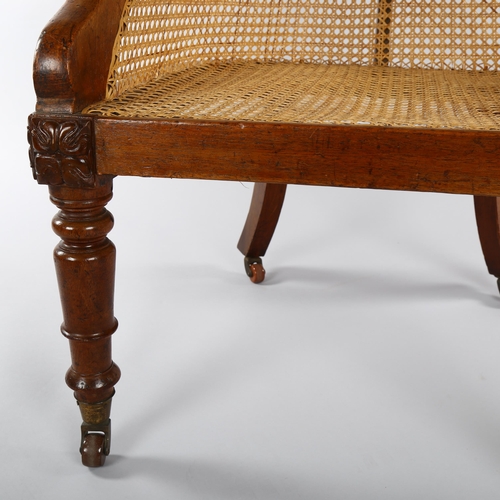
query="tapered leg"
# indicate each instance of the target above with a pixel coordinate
(488, 224)
(85, 266)
(261, 222)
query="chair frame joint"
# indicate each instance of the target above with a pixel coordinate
(62, 150)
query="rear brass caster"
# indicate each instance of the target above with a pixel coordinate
(254, 269)
(93, 450)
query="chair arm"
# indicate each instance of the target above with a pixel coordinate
(74, 53)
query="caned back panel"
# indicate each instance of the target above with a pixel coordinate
(160, 36)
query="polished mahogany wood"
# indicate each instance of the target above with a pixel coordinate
(263, 216)
(85, 266)
(74, 54)
(448, 161)
(488, 224)
(62, 150)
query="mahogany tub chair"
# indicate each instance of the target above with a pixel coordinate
(392, 94)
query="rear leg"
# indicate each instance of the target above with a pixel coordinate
(263, 216)
(488, 224)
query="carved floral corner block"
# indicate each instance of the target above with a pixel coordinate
(61, 151)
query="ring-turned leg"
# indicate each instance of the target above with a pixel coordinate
(488, 224)
(263, 216)
(62, 156)
(85, 266)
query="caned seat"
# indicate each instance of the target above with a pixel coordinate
(249, 90)
(391, 94)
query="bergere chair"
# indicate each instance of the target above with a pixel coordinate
(392, 94)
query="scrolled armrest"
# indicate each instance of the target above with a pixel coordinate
(74, 53)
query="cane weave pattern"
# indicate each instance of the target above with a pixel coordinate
(317, 93)
(159, 35)
(382, 62)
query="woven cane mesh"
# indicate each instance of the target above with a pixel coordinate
(445, 34)
(157, 36)
(380, 62)
(318, 93)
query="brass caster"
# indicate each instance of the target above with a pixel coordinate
(254, 269)
(93, 450)
(95, 443)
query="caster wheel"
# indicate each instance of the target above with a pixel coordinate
(498, 284)
(258, 273)
(92, 450)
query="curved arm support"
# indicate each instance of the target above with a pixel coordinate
(74, 53)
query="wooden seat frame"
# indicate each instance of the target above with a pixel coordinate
(78, 155)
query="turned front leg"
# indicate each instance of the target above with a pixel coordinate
(85, 266)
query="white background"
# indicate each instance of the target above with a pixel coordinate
(366, 367)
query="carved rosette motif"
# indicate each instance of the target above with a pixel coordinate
(61, 151)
